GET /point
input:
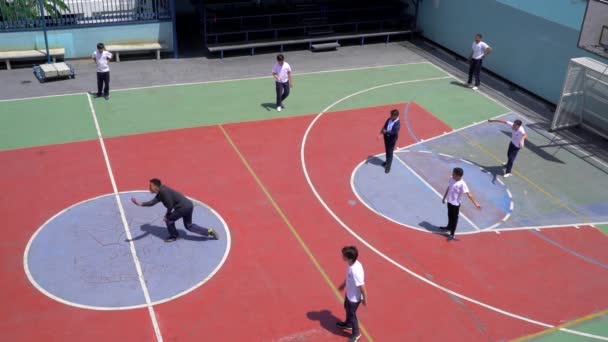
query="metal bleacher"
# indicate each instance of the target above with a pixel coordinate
(319, 25)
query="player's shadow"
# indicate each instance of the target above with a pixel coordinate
(460, 84)
(269, 106)
(494, 171)
(327, 320)
(162, 233)
(374, 160)
(435, 230)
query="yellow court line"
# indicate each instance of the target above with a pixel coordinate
(562, 326)
(528, 180)
(289, 225)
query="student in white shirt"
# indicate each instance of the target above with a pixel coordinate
(479, 51)
(518, 138)
(453, 195)
(283, 81)
(102, 60)
(355, 291)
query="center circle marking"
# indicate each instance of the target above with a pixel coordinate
(82, 257)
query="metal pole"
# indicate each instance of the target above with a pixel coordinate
(173, 19)
(46, 40)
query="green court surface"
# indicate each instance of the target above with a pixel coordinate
(603, 228)
(67, 118)
(596, 326)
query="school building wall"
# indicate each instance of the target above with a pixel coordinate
(533, 41)
(80, 42)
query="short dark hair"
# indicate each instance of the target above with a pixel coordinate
(280, 57)
(156, 181)
(101, 46)
(479, 35)
(350, 253)
(458, 171)
(394, 112)
(517, 122)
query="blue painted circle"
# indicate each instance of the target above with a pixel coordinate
(404, 196)
(82, 256)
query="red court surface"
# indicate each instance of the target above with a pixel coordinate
(270, 289)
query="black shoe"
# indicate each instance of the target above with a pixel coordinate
(96, 96)
(107, 97)
(387, 170)
(171, 239)
(451, 237)
(343, 325)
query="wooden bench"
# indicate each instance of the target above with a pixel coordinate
(116, 49)
(310, 41)
(7, 56)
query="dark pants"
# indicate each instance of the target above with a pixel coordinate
(351, 315)
(103, 81)
(389, 146)
(453, 212)
(475, 70)
(282, 92)
(183, 213)
(511, 155)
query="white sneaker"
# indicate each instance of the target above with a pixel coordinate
(474, 88)
(279, 108)
(507, 175)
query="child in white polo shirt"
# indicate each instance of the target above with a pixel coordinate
(453, 195)
(355, 291)
(102, 60)
(518, 139)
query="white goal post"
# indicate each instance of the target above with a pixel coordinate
(584, 99)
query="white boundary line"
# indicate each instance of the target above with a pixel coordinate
(118, 308)
(123, 217)
(222, 81)
(387, 258)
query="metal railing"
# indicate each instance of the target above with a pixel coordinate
(17, 15)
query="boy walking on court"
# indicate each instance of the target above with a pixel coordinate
(518, 138)
(479, 51)
(102, 60)
(283, 81)
(390, 131)
(355, 291)
(178, 206)
(453, 195)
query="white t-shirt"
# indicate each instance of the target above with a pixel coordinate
(101, 59)
(282, 70)
(456, 190)
(479, 50)
(516, 135)
(355, 277)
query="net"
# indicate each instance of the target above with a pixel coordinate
(584, 99)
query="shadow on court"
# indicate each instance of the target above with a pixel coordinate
(162, 233)
(374, 161)
(435, 230)
(269, 106)
(460, 84)
(536, 149)
(495, 171)
(327, 320)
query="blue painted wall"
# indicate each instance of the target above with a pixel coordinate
(80, 42)
(533, 40)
